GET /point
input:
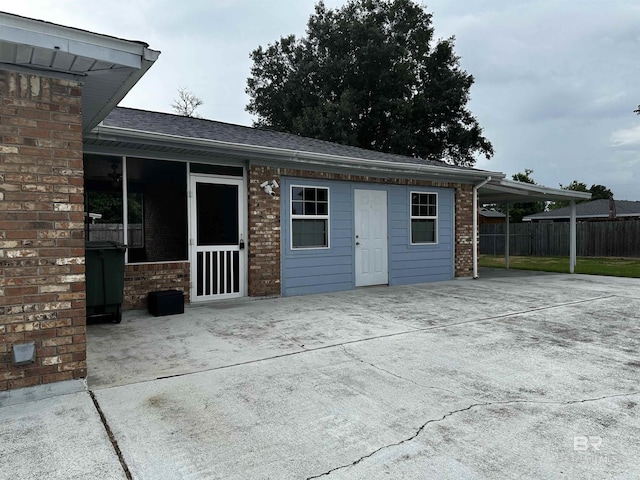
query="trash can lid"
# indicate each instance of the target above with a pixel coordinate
(104, 245)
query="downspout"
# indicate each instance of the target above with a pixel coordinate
(474, 243)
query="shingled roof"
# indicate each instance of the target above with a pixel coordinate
(490, 213)
(198, 128)
(593, 209)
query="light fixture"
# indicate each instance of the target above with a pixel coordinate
(116, 178)
(270, 187)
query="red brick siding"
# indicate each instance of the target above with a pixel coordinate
(140, 279)
(42, 290)
(264, 234)
(264, 223)
(464, 231)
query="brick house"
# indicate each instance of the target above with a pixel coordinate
(340, 217)
(212, 209)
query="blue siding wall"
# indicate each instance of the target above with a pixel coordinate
(419, 263)
(332, 269)
(324, 269)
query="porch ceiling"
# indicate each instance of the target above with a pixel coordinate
(108, 67)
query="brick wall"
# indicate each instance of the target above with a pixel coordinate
(264, 223)
(464, 231)
(264, 234)
(140, 279)
(42, 291)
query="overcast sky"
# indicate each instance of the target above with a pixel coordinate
(556, 81)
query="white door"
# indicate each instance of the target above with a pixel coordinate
(217, 240)
(371, 237)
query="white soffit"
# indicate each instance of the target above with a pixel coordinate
(108, 67)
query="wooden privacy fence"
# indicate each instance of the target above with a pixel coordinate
(594, 239)
(115, 232)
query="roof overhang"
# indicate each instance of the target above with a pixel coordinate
(500, 190)
(114, 138)
(108, 67)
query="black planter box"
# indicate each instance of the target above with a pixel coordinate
(166, 302)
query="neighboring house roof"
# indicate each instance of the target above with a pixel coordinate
(593, 209)
(107, 66)
(491, 213)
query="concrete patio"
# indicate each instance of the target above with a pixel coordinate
(514, 375)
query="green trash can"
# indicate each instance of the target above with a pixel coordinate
(104, 274)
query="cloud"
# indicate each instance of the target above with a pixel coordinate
(626, 137)
(555, 82)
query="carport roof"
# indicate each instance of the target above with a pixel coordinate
(500, 190)
(107, 66)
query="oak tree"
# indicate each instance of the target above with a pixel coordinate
(369, 74)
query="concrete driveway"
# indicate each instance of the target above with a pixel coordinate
(515, 375)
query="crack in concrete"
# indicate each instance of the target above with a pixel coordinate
(460, 410)
(596, 399)
(112, 438)
(358, 359)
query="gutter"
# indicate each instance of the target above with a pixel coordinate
(474, 243)
(103, 132)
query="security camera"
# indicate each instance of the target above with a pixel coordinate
(269, 188)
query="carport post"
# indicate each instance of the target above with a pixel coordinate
(474, 240)
(572, 238)
(506, 240)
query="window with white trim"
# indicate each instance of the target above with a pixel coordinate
(424, 217)
(309, 217)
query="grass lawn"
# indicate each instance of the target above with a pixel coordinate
(616, 267)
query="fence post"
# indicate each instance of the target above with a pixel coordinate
(506, 240)
(572, 239)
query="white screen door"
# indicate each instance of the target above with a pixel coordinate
(217, 242)
(371, 237)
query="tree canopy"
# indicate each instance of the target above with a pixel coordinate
(597, 192)
(369, 74)
(517, 211)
